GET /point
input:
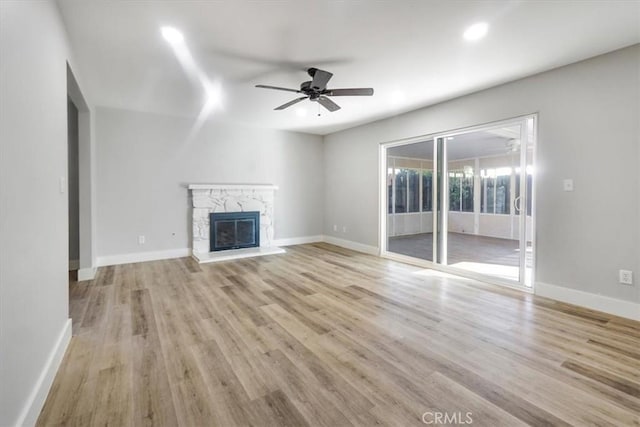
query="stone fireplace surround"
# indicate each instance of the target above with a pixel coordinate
(208, 198)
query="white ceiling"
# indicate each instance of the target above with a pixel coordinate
(411, 52)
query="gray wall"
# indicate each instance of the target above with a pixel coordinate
(588, 130)
(73, 181)
(145, 161)
(33, 211)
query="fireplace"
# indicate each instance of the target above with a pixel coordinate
(255, 199)
(234, 230)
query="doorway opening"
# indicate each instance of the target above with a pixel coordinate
(463, 201)
(73, 187)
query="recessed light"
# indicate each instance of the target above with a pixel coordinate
(172, 35)
(301, 112)
(476, 31)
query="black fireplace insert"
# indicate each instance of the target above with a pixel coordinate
(234, 230)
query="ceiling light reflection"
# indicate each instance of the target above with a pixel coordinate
(397, 97)
(476, 31)
(172, 35)
(213, 93)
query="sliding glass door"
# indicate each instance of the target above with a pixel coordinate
(464, 201)
(410, 194)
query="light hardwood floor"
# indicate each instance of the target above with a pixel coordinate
(325, 336)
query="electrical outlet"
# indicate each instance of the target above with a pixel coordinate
(344, 228)
(625, 277)
(567, 184)
(335, 227)
(141, 240)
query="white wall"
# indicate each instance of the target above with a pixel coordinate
(403, 224)
(463, 222)
(34, 326)
(146, 160)
(588, 130)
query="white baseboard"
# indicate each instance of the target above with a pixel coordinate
(86, 274)
(103, 261)
(354, 246)
(74, 264)
(297, 240)
(603, 303)
(31, 411)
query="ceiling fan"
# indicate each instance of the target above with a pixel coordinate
(316, 90)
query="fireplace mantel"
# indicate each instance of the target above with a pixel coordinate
(217, 198)
(233, 187)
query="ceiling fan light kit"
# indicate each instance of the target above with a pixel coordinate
(316, 90)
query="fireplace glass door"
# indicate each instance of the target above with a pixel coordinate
(234, 230)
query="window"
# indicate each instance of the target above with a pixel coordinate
(407, 187)
(427, 191)
(409, 190)
(390, 189)
(414, 190)
(502, 194)
(401, 191)
(461, 191)
(454, 191)
(495, 196)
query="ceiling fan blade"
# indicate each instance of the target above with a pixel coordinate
(361, 91)
(320, 78)
(278, 88)
(290, 103)
(328, 104)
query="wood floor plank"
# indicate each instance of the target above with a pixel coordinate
(322, 335)
(59, 408)
(275, 409)
(310, 401)
(229, 400)
(297, 310)
(113, 398)
(143, 321)
(446, 396)
(629, 387)
(244, 303)
(634, 354)
(242, 361)
(341, 393)
(96, 312)
(152, 399)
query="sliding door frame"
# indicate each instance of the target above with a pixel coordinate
(439, 250)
